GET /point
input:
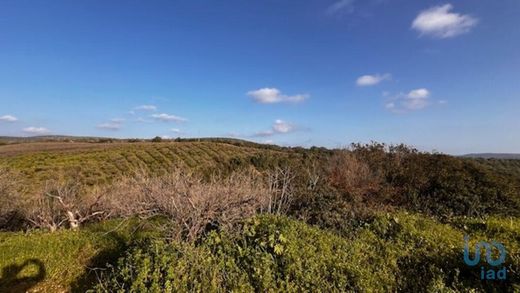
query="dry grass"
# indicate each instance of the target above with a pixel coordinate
(9, 197)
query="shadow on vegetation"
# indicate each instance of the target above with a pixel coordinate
(10, 282)
(97, 264)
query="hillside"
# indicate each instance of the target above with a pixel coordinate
(493, 156)
(98, 163)
(219, 214)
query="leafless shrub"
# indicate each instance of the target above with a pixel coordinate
(350, 174)
(190, 204)
(280, 190)
(60, 204)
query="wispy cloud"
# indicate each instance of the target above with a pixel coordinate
(278, 127)
(416, 99)
(274, 95)
(439, 22)
(142, 120)
(343, 6)
(264, 133)
(113, 124)
(8, 118)
(146, 108)
(281, 126)
(36, 130)
(168, 118)
(109, 126)
(369, 80)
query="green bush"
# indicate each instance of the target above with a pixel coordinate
(265, 255)
(394, 252)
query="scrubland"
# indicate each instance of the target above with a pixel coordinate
(215, 216)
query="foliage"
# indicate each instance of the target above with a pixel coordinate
(55, 262)
(274, 253)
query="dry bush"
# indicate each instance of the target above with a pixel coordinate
(63, 204)
(353, 176)
(281, 190)
(191, 205)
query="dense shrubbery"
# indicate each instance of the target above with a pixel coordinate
(395, 252)
(436, 184)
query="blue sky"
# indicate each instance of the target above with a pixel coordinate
(437, 75)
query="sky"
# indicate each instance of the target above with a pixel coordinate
(440, 76)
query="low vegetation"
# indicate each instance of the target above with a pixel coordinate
(232, 216)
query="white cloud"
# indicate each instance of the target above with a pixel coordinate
(416, 99)
(279, 127)
(36, 130)
(176, 130)
(418, 93)
(168, 118)
(439, 22)
(109, 126)
(273, 95)
(8, 118)
(341, 6)
(368, 80)
(146, 108)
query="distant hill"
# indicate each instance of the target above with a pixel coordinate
(493, 156)
(50, 138)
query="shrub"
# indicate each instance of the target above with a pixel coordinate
(265, 256)
(157, 139)
(63, 204)
(156, 266)
(191, 205)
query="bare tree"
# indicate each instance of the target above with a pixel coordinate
(63, 204)
(280, 190)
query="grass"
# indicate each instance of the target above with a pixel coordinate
(60, 261)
